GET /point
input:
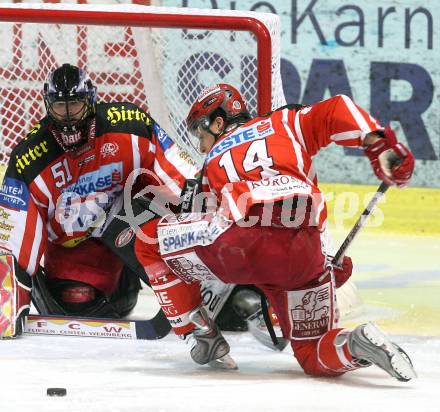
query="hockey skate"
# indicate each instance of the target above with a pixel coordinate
(210, 347)
(369, 345)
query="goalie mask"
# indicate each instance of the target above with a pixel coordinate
(70, 98)
(220, 100)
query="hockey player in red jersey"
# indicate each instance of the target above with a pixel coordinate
(264, 225)
(62, 189)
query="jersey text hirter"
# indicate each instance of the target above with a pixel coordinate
(65, 197)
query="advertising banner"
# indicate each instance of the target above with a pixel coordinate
(383, 54)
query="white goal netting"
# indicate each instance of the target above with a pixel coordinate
(161, 69)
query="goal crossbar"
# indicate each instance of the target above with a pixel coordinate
(162, 20)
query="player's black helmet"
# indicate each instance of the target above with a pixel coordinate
(70, 99)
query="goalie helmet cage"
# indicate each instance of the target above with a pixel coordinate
(157, 57)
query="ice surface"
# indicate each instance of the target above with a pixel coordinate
(121, 375)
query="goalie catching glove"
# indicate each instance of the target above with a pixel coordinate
(391, 161)
(15, 287)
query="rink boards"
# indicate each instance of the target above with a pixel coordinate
(396, 264)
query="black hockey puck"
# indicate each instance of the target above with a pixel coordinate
(56, 391)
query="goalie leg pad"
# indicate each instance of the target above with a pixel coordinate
(90, 262)
(125, 297)
(87, 269)
(68, 297)
(15, 287)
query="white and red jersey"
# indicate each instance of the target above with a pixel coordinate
(65, 197)
(269, 158)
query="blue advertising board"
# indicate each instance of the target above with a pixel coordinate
(382, 53)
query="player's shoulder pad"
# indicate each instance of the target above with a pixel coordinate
(123, 117)
(290, 106)
(33, 153)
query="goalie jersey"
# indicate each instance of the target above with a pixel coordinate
(66, 197)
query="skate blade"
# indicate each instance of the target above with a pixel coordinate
(400, 363)
(225, 362)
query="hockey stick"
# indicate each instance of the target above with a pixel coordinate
(155, 328)
(276, 343)
(337, 260)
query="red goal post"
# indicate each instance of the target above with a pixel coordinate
(159, 58)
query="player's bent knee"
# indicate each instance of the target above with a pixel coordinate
(319, 346)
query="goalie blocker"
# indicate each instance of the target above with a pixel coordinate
(15, 286)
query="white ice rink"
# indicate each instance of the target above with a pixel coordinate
(116, 375)
(121, 375)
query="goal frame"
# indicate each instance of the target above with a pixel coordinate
(162, 20)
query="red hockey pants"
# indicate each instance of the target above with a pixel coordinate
(285, 263)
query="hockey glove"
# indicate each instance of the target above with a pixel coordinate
(14, 297)
(391, 161)
(342, 273)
